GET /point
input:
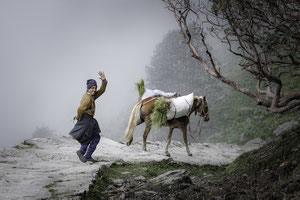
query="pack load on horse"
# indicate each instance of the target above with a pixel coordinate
(180, 106)
(156, 93)
(165, 111)
(145, 93)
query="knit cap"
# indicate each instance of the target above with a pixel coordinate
(90, 83)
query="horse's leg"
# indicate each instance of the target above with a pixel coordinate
(184, 133)
(168, 141)
(129, 142)
(147, 130)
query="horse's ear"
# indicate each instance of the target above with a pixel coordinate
(204, 98)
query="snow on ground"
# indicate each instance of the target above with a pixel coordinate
(53, 166)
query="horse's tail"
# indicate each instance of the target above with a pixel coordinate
(134, 120)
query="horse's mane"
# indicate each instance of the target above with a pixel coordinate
(198, 97)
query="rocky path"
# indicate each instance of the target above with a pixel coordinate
(41, 167)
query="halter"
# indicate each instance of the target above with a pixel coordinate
(202, 113)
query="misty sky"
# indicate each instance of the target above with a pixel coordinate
(49, 48)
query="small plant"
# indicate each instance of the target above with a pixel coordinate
(25, 145)
(141, 88)
(51, 190)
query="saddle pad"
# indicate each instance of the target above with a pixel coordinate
(180, 106)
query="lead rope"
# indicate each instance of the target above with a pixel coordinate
(199, 125)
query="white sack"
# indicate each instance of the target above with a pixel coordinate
(152, 93)
(180, 106)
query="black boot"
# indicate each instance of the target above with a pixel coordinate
(91, 160)
(81, 156)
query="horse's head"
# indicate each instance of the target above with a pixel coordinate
(201, 108)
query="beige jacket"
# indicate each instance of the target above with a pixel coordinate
(87, 103)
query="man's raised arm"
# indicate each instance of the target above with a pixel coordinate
(103, 85)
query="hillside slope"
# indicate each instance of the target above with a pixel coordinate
(269, 173)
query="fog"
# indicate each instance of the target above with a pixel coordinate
(50, 48)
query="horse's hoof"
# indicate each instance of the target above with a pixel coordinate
(167, 154)
(129, 143)
(190, 154)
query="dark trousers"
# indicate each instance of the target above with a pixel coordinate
(88, 149)
(86, 132)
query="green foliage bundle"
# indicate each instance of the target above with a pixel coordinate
(141, 88)
(159, 114)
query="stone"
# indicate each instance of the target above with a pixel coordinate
(170, 177)
(284, 128)
(122, 196)
(140, 178)
(111, 187)
(118, 182)
(255, 142)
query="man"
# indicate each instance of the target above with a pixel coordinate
(86, 130)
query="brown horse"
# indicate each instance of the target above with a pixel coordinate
(141, 113)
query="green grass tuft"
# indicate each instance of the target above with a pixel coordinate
(51, 189)
(98, 185)
(159, 114)
(25, 145)
(141, 88)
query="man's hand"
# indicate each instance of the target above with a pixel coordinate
(102, 76)
(77, 118)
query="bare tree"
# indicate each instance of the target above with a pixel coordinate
(265, 34)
